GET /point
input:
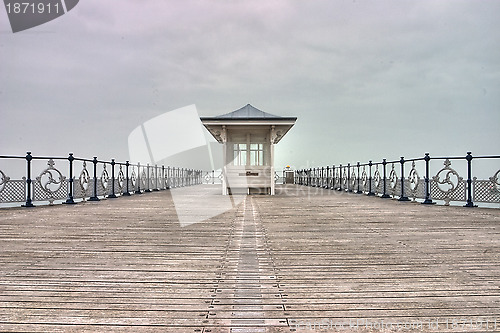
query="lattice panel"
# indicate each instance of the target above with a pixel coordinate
(14, 191)
(354, 184)
(418, 192)
(485, 191)
(396, 191)
(152, 181)
(41, 195)
(100, 189)
(90, 188)
(457, 195)
(135, 187)
(130, 187)
(365, 187)
(118, 190)
(378, 189)
(79, 192)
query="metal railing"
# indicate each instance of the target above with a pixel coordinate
(96, 180)
(391, 179)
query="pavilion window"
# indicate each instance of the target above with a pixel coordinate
(256, 154)
(240, 154)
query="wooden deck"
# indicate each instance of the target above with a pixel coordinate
(306, 260)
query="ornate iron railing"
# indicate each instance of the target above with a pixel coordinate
(391, 179)
(96, 180)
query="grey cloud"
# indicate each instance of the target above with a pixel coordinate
(366, 79)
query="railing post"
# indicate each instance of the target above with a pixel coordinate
(174, 177)
(359, 190)
(127, 164)
(168, 178)
(70, 200)
(428, 200)
(95, 197)
(322, 182)
(138, 180)
(469, 180)
(112, 195)
(29, 202)
(315, 177)
(333, 178)
(156, 178)
(385, 195)
(163, 181)
(213, 177)
(148, 181)
(319, 181)
(327, 183)
(370, 191)
(340, 178)
(403, 197)
(349, 189)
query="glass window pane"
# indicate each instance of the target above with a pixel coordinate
(253, 158)
(243, 157)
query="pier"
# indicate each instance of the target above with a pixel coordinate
(301, 260)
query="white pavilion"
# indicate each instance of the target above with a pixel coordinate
(248, 136)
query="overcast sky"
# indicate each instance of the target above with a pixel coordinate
(366, 79)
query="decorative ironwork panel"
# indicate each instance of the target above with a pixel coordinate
(393, 183)
(12, 190)
(364, 180)
(414, 185)
(104, 181)
(41, 193)
(151, 179)
(121, 181)
(377, 182)
(458, 194)
(378, 186)
(447, 185)
(79, 192)
(354, 180)
(133, 180)
(3, 180)
(50, 185)
(485, 191)
(495, 180)
(82, 187)
(144, 179)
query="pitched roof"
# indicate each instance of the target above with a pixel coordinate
(248, 112)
